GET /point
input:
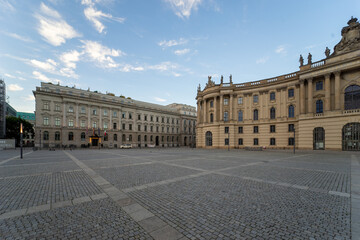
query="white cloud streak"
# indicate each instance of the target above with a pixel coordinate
(183, 8)
(14, 87)
(94, 16)
(262, 60)
(53, 28)
(19, 37)
(172, 43)
(281, 50)
(159, 99)
(182, 51)
(9, 75)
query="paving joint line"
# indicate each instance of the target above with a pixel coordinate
(140, 215)
(7, 160)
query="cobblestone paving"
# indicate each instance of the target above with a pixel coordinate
(24, 192)
(113, 162)
(101, 219)
(221, 207)
(130, 176)
(330, 181)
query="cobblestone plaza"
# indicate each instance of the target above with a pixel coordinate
(179, 194)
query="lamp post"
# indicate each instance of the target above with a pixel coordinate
(21, 140)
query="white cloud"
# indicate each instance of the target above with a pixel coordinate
(70, 58)
(183, 8)
(6, 6)
(17, 36)
(40, 76)
(172, 43)
(182, 51)
(280, 49)
(53, 28)
(29, 98)
(100, 54)
(9, 75)
(128, 68)
(49, 65)
(262, 60)
(14, 87)
(159, 99)
(164, 66)
(94, 16)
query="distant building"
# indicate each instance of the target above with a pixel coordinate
(10, 111)
(30, 117)
(321, 102)
(2, 109)
(68, 116)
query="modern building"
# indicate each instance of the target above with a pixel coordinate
(10, 111)
(2, 109)
(29, 140)
(317, 107)
(73, 117)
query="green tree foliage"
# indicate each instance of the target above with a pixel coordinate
(13, 128)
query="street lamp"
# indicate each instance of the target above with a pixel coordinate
(21, 140)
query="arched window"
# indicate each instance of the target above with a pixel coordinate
(208, 138)
(130, 138)
(57, 136)
(71, 136)
(145, 138)
(82, 136)
(240, 116)
(291, 111)
(139, 138)
(319, 106)
(151, 138)
(123, 138)
(256, 114)
(115, 137)
(46, 135)
(211, 117)
(226, 116)
(352, 97)
(272, 113)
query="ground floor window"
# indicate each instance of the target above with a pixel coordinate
(71, 136)
(57, 136)
(226, 141)
(240, 141)
(256, 141)
(351, 137)
(208, 138)
(272, 141)
(319, 138)
(291, 141)
(82, 136)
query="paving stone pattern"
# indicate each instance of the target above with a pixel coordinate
(222, 207)
(101, 219)
(24, 192)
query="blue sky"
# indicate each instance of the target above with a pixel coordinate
(159, 50)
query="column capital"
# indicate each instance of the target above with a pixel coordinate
(310, 79)
(327, 75)
(302, 81)
(337, 73)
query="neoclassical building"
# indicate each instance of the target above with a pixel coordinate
(66, 116)
(317, 107)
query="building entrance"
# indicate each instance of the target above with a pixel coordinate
(157, 140)
(351, 137)
(319, 138)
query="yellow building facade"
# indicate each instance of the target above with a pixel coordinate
(317, 107)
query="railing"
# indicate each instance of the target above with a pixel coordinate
(290, 75)
(255, 83)
(319, 114)
(318, 64)
(271, 80)
(351, 111)
(225, 85)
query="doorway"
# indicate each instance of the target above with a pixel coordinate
(351, 137)
(319, 138)
(157, 140)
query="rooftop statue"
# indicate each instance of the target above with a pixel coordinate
(210, 83)
(231, 79)
(301, 60)
(199, 88)
(350, 37)
(309, 58)
(222, 79)
(327, 52)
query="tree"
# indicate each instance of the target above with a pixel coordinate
(13, 128)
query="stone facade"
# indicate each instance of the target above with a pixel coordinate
(68, 116)
(317, 107)
(2, 109)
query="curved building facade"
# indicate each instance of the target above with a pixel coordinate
(317, 107)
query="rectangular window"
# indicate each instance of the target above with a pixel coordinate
(240, 130)
(123, 115)
(291, 93)
(151, 128)
(130, 115)
(105, 112)
(163, 120)
(123, 126)
(226, 116)
(130, 126)
(105, 125)
(114, 113)
(145, 128)
(226, 129)
(71, 123)
(46, 121)
(226, 141)
(145, 117)
(114, 126)
(226, 101)
(240, 116)
(256, 129)
(291, 141)
(94, 124)
(139, 117)
(157, 128)
(256, 98)
(162, 129)
(291, 127)
(57, 121)
(94, 111)
(82, 110)
(57, 107)
(71, 109)
(46, 106)
(272, 128)
(82, 123)
(240, 100)
(319, 85)
(272, 96)
(139, 127)
(272, 141)
(157, 119)
(256, 141)
(240, 141)
(211, 104)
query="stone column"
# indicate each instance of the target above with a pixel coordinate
(327, 92)
(64, 115)
(302, 97)
(231, 108)
(110, 123)
(337, 90)
(198, 112)
(221, 107)
(310, 96)
(260, 105)
(278, 104)
(77, 116)
(89, 112)
(215, 109)
(284, 102)
(204, 110)
(100, 119)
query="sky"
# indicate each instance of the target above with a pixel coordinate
(159, 51)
